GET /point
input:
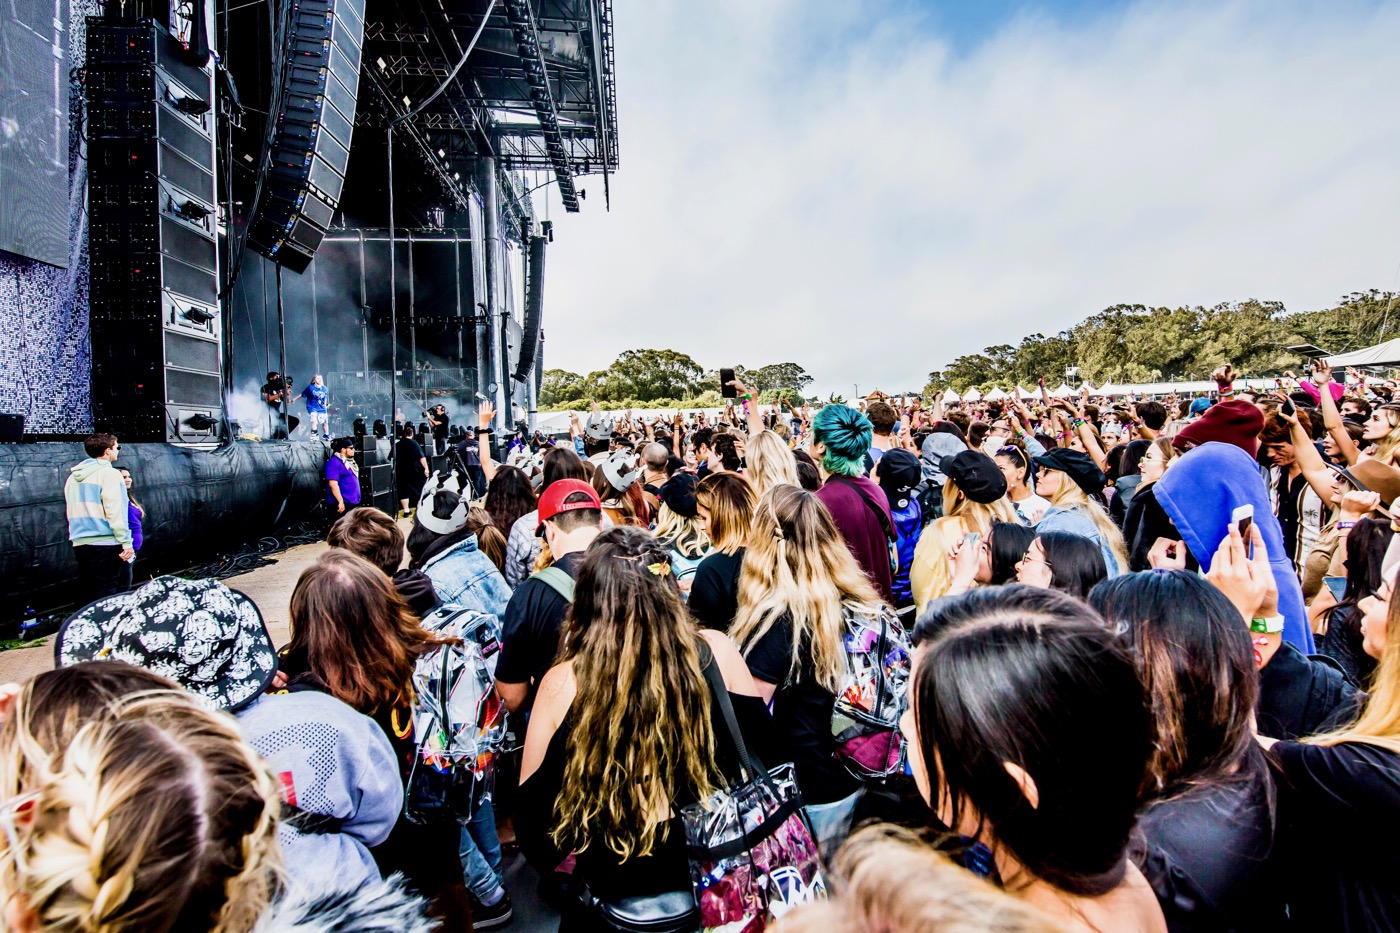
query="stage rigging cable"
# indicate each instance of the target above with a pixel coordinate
(393, 254)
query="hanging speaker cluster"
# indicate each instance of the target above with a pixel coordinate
(310, 143)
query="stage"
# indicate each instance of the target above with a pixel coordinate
(199, 504)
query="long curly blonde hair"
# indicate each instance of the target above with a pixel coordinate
(641, 734)
(133, 808)
(797, 564)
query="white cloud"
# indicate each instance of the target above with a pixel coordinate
(803, 181)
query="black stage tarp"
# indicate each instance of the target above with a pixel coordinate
(199, 503)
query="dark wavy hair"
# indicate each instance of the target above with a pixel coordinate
(1007, 542)
(509, 496)
(1196, 661)
(1034, 678)
(1076, 562)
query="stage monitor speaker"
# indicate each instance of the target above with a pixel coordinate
(152, 204)
(381, 479)
(534, 310)
(310, 143)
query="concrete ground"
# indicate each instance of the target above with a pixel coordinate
(270, 588)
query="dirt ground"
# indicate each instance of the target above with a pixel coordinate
(270, 587)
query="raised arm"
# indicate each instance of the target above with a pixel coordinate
(1331, 416)
(753, 421)
(1309, 460)
(937, 412)
(484, 416)
(1081, 427)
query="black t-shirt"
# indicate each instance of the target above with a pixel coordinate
(408, 462)
(802, 713)
(531, 626)
(1209, 854)
(714, 593)
(1339, 809)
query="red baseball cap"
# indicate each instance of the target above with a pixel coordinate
(552, 502)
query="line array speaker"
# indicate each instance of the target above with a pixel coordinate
(534, 310)
(152, 206)
(310, 143)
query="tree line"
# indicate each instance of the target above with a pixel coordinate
(1135, 343)
(665, 379)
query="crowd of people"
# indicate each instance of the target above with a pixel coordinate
(1039, 664)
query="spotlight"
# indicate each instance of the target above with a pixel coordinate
(358, 425)
(200, 421)
(198, 315)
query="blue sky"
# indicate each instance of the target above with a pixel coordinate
(872, 188)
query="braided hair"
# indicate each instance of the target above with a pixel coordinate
(145, 812)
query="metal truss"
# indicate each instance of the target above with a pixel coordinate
(538, 93)
(522, 21)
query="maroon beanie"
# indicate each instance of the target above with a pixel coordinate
(1232, 422)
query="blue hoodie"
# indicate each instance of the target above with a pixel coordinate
(1202, 490)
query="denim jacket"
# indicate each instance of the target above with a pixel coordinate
(465, 577)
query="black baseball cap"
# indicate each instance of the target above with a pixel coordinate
(678, 493)
(976, 474)
(899, 472)
(1077, 465)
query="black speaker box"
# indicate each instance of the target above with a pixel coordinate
(154, 304)
(311, 144)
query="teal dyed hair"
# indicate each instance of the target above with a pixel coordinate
(846, 434)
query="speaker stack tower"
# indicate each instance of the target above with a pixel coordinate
(310, 143)
(152, 206)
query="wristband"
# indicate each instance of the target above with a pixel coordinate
(1271, 625)
(1343, 526)
(481, 431)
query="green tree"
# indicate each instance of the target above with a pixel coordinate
(559, 385)
(646, 375)
(972, 369)
(777, 376)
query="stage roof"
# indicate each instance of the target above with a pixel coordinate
(538, 91)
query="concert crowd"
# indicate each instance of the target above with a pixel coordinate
(1040, 664)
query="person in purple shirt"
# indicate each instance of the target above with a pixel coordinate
(840, 438)
(342, 476)
(134, 512)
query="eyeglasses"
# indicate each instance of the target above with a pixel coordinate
(1030, 558)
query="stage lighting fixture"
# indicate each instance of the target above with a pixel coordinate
(358, 426)
(198, 315)
(200, 421)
